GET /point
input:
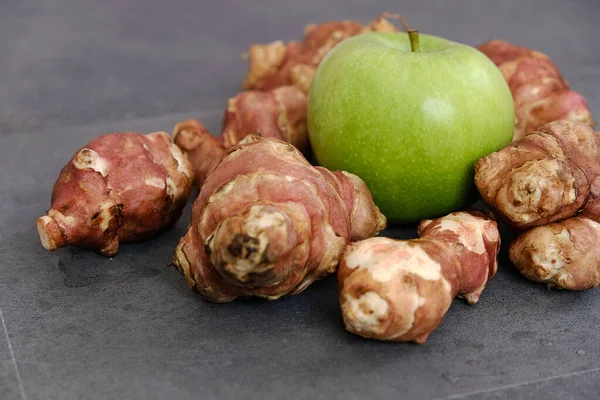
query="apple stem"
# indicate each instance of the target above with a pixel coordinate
(413, 35)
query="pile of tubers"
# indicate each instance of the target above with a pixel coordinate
(546, 186)
(267, 223)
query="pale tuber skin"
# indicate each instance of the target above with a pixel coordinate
(547, 176)
(476, 240)
(397, 290)
(400, 290)
(549, 181)
(540, 93)
(301, 76)
(277, 64)
(267, 223)
(120, 187)
(564, 255)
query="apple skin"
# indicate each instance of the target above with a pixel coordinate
(410, 124)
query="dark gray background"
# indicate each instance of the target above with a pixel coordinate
(76, 325)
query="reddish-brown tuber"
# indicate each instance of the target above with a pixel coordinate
(120, 187)
(476, 240)
(547, 176)
(267, 223)
(199, 145)
(277, 64)
(279, 113)
(400, 290)
(564, 254)
(540, 93)
(549, 181)
(276, 85)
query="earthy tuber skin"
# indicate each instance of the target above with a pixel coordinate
(274, 101)
(563, 255)
(400, 290)
(267, 223)
(199, 145)
(540, 93)
(476, 240)
(549, 181)
(277, 64)
(120, 187)
(547, 176)
(397, 290)
(279, 113)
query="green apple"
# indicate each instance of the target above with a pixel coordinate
(411, 122)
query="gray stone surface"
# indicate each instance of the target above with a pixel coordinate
(70, 62)
(85, 327)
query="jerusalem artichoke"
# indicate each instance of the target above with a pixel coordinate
(267, 223)
(400, 290)
(277, 64)
(476, 240)
(547, 176)
(120, 187)
(540, 93)
(282, 73)
(564, 254)
(397, 290)
(199, 145)
(279, 113)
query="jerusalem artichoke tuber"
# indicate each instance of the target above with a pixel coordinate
(277, 64)
(282, 73)
(549, 181)
(279, 113)
(547, 176)
(564, 254)
(539, 92)
(397, 290)
(120, 187)
(199, 145)
(267, 223)
(476, 240)
(400, 290)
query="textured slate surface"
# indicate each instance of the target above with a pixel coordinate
(70, 62)
(82, 326)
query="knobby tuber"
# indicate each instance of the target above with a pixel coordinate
(199, 145)
(267, 223)
(549, 181)
(476, 240)
(540, 93)
(547, 176)
(564, 254)
(120, 187)
(400, 290)
(274, 100)
(277, 64)
(279, 113)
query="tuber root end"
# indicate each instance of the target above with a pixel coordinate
(246, 249)
(50, 233)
